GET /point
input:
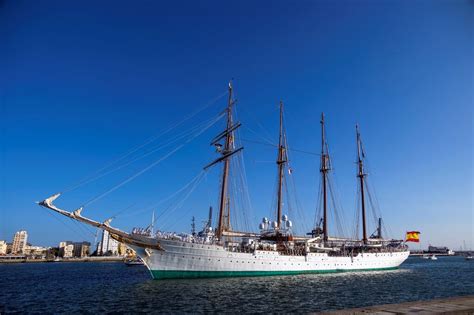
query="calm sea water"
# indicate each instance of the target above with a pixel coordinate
(114, 287)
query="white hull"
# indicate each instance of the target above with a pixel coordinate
(191, 260)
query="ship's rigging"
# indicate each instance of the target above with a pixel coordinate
(226, 247)
(328, 202)
(361, 175)
(325, 167)
(366, 199)
(281, 162)
(228, 149)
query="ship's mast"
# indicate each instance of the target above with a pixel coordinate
(193, 226)
(281, 160)
(152, 225)
(209, 220)
(226, 151)
(361, 175)
(324, 170)
(228, 146)
(379, 229)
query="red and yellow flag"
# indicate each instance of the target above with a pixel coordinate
(413, 236)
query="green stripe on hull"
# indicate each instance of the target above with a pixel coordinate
(185, 274)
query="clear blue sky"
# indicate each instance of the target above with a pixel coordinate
(83, 82)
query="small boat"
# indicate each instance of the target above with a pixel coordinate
(134, 262)
(469, 256)
(425, 257)
(433, 257)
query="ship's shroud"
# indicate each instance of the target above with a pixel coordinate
(175, 257)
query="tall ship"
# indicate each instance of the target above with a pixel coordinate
(273, 249)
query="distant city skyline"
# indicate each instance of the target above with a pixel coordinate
(20, 248)
(84, 83)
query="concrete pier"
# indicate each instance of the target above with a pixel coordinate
(455, 305)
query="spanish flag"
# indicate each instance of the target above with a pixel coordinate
(413, 236)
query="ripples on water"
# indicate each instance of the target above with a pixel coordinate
(114, 287)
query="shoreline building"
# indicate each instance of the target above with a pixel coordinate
(35, 251)
(107, 245)
(81, 249)
(3, 248)
(19, 242)
(123, 250)
(68, 249)
(64, 250)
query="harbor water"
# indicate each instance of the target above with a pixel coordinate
(114, 287)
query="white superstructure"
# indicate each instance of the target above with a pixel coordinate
(180, 259)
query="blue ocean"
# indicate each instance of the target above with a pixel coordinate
(114, 287)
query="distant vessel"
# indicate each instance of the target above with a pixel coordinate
(430, 257)
(275, 250)
(440, 250)
(133, 262)
(433, 257)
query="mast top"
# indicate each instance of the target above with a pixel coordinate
(281, 144)
(325, 159)
(360, 149)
